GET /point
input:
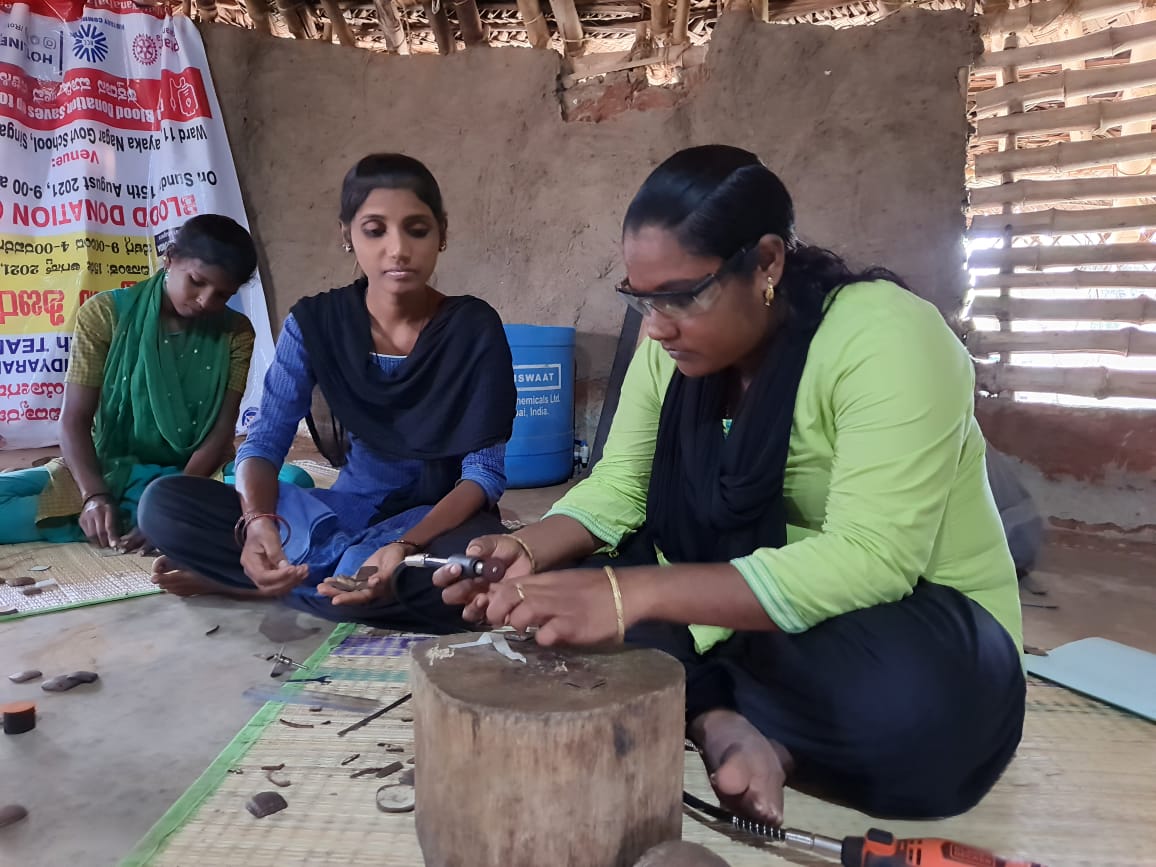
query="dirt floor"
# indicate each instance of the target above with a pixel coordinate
(106, 761)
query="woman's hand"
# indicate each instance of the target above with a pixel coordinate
(385, 561)
(100, 522)
(471, 592)
(571, 607)
(264, 560)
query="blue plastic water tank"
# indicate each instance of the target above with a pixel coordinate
(541, 451)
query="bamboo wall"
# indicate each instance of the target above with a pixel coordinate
(1063, 205)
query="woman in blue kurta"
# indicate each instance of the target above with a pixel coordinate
(420, 389)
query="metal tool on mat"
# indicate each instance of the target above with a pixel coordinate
(876, 849)
(490, 570)
(313, 698)
(281, 662)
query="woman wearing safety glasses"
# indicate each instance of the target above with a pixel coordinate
(794, 504)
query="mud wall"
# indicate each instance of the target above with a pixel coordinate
(865, 125)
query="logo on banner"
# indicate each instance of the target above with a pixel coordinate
(146, 49)
(89, 44)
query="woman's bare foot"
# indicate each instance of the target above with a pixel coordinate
(181, 582)
(748, 771)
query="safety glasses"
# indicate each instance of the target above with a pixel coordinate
(682, 303)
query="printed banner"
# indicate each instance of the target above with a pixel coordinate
(110, 138)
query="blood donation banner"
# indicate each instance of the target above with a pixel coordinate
(110, 138)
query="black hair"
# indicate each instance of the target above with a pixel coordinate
(390, 172)
(216, 240)
(718, 200)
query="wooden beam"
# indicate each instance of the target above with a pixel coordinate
(470, 22)
(259, 14)
(1066, 156)
(616, 61)
(1041, 258)
(1094, 117)
(681, 21)
(1057, 222)
(1029, 280)
(1105, 43)
(391, 27)
(1042, 14)
(292, 18)
(1072, 190)
(337, 20)
(1127, 342)
(569, 25)
(1097, 382)
(659, 19)
(1136, 311)
(536, 28)
(439, 22)
(1067, 84)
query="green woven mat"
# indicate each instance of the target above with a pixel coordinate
(1080, 791)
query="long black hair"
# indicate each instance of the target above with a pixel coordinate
(216, 240)
(717, 200)
(390, 172)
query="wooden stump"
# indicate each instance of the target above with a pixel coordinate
(571, 758)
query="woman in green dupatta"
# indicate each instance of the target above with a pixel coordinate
(154, 385)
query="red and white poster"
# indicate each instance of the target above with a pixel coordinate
(110, 138)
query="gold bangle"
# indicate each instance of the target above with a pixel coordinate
(617, 602)
(529, 554)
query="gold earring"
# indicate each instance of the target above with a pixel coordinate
(442, 247)
(347, 247)
(769, 294)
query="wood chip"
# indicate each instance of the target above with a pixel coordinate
(21, 581)
(352, 758)
(32, 591)
(266, 804)
(60, 683)
(213, 629)
(85, 676)
(395, 748)
(295, 725)
(380, 773)
(39, 568)
(278, 779)
(273, 767)
(11, 814)
(25, 676)
(406, 777)
(407, 717)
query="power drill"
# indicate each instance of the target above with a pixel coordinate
(876, 849)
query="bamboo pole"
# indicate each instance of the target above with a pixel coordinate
(1067, 84)
(1097, 382)
(569, 24)
(1035, 15)
(259, 14)
(1095, 117)
(1029, 280)
(1126, 342)
(292, 19)
(440, 25)
(681, 20)
(1136, 311)
(1067, 156)
(391, 26)
(1105, 43)
(470, 22)
(659, 20)
(1008, 75)
(1057, 222)
(338, 22)
(536, 28)
(1069, 190)
(1041, 258)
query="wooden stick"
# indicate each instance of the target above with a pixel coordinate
(537, 30)
(1136, 311)
(1094, 117)
(1056, 222)
(391, 26)
(1035, 15)
(440, 25)
(337, 20)
(292, 19)
(1127, 342)
(470, 22)
(1067, 156)
(1027, 280)
(377, 714)
(569, 25)
(1097, 382)
(1076, 189)
(1066, 84)
(1105, 43)
(659, 19)
(681, 21)
(1041, 258)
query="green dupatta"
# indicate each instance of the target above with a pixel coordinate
(162, 392)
